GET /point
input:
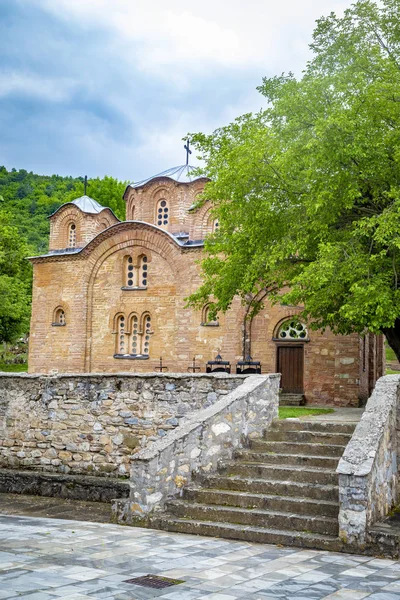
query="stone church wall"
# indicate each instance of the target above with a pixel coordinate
(91, 424)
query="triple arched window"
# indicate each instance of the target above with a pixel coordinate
(133, 335)
(136, 272)
(162, 216)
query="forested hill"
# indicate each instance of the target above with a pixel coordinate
(28, 200)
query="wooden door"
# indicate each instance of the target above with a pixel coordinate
(290, 365)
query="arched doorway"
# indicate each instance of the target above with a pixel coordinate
(290, 338)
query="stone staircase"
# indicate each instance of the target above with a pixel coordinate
(283, 489)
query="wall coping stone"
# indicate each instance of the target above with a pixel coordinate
(358, 457)
(126, 374)
(368, 470)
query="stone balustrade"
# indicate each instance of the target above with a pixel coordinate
(211, 434)
(369, 470)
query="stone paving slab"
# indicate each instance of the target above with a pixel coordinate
(49, 559)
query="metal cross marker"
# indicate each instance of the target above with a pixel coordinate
(188, 150)
(85, 185)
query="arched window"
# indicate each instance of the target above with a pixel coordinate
(130, 273)
(136, 272)
(121, 335)
(135, 346)
(206, 318)
(59, 317)
(292, 330)
(162, 213)
(146, 333)
(143, 271)
(71, 235)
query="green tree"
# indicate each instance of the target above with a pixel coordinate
(307, 192)
(15, 282)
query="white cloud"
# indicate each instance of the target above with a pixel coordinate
(210, 34)
(32, 85)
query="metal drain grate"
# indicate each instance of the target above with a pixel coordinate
(154, 581)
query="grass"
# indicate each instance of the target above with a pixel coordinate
(290, 412)
(392, 372)
(13, 368)
(390, 355)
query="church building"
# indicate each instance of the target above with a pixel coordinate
(109, 297)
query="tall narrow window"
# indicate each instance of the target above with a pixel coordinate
(162, 213)
(146, 335)
(72, 235)
(130, 273)
(121, 335)
(216, 226)
(143, 271)
(135, 335)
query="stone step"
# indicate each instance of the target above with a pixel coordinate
(250, 534)
(60, 485)
(261, 445)
(287, 473)
(271, 487)
(321, 426)
(287, 459)
(303, 506)
(308, 437)
(253, 517)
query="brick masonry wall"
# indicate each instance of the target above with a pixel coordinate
(93, 423)
(89, 287)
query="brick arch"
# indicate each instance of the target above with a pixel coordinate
(61, 222)
(201, 217)
(124, 236)
(291, 314)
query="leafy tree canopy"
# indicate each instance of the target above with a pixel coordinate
(26, 202)
(307, 192)
(15, 282)
(30, 199)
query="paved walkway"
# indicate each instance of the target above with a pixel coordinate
(51, 558)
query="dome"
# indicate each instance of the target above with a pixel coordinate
(88, 205)
(182, 174)
(85, 204)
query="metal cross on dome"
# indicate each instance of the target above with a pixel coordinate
(85, 184)
(188, 150)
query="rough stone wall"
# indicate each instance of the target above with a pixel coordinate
(210, 435)
(369, 468)
(92, 423)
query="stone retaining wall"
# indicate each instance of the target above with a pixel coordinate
(369, 470)
(93, 423)
(212, 434)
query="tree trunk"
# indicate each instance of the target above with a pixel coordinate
(392, 335)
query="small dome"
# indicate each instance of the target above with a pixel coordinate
(182, 174)
(88, 205)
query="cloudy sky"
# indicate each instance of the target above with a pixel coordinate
(109, 87)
